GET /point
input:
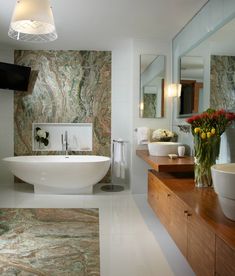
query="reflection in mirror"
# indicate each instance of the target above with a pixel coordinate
(216, 75)
(152, 75)
(191, 79)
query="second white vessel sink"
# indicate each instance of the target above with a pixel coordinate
(163, 148)
(223, 176)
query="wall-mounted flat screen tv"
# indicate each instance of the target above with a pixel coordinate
(14, 77)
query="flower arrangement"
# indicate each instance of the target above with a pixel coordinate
(162, 135)
(211, 122)
(42, 136)
(207, 129)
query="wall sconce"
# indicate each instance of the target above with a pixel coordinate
(32, 21)
(141, 108)
(174, 90)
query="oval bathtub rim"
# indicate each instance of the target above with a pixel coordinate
(61, 159)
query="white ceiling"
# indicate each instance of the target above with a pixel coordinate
(102, 24)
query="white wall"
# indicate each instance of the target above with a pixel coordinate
(6, 122)
(139, 168)
(121, 99)
(125, 101)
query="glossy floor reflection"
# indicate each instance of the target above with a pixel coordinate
(132, 241)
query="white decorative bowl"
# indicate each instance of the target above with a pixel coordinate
(163, 148)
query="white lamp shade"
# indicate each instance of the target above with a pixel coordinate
(174, 90)
(32, 21)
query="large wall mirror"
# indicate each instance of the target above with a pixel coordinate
(191, 79)
(152, 79)
(207, 73)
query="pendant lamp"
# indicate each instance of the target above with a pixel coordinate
(32, 21)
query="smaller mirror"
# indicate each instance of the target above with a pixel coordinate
(152, 76)
(191, 78)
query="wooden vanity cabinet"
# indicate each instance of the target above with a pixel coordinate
(225, 259)
(171, 212)
(158, 198)
(153, 193)
(178, 223)
(201, 246)
(194, 225)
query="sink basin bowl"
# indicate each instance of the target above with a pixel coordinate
(163, 148)
(223, 176)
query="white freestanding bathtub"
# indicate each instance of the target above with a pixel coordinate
(60, 174)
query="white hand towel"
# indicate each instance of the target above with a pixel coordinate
(123, 162)
(118, 151)
(117, 169)
(142, 135)
(117, 158)
(122, 171)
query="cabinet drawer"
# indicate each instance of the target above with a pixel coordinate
(158, 198)
(201, 247)
(178, 223)
(225, 259)
(153, 194)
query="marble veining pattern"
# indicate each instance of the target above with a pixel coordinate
(222, 82)
(150, 104)
(49, 242)
(65, 87)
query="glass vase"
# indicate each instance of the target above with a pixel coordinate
(41, 146)
(202, 174)
(206, 153)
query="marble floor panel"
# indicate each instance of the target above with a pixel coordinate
(132, 241)
(49, 241)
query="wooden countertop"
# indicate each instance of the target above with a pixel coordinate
(165, 164)
(203, 201)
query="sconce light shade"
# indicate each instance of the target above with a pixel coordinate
(32, 21)
(174, 90)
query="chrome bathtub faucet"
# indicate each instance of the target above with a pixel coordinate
(64, 142)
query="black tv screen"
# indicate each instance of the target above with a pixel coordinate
(14, 77)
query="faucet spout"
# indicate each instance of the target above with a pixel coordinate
(66, 140)
(65, 144)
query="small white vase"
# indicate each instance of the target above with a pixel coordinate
(41, 146)
(181, 151)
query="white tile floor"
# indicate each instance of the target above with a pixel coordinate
(132, 240)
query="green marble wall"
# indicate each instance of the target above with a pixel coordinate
(65, 87)
(150, 103)
(222, 91)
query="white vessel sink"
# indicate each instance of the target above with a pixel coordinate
(223, 176)
(163, 148)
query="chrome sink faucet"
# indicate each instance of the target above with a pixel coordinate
(65, 144)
